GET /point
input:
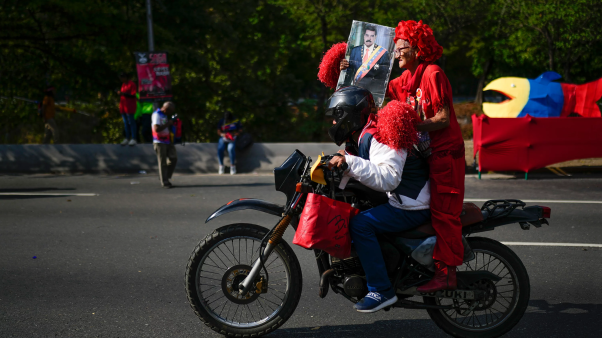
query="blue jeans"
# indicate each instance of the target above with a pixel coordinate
(130, 126)
(221, 146)
(382, 219)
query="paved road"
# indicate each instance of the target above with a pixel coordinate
(113, 265)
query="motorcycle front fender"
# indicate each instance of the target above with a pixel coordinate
(248, 203)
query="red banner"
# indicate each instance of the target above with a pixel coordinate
(154, 79)
(528, 143)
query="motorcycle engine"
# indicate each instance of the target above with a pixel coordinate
(353, 275)
(355, 286)
(347, 266)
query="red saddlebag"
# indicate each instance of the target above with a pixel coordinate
(324, 225)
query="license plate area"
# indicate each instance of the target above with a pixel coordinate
(455, 294)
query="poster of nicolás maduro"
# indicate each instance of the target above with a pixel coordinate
(370, 56)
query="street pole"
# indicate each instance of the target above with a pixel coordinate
(149, 22)
(151, 38)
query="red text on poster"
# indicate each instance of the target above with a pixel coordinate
(154, 79)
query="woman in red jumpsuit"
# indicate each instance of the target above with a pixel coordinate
(425, 87)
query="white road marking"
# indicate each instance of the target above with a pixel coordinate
(43, 194)
(539, 201)
(590, 245)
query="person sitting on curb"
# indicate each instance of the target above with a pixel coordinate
(228, 129)
(163, 144)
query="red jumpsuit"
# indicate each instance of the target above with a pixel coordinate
(447, 164)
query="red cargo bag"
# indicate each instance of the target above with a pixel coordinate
(324, 225)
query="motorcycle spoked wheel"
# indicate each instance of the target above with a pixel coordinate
(221, 261)
(505, 301)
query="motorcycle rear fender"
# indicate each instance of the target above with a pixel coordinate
(248, 203)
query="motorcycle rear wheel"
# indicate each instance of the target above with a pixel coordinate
(216, 266)
(505, 304)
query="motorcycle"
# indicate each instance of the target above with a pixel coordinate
(242, 280)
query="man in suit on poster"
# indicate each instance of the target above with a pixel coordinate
(368, 64)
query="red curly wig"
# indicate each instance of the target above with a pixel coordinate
(329, 69)
(421, 36)
(396, 125)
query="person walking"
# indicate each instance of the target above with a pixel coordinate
(127, 108)
(163, 144)
(228, 128)
(48, 111)
(143, 117)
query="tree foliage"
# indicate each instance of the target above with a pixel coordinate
(259, 58)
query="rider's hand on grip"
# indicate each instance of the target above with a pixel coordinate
(338, 161)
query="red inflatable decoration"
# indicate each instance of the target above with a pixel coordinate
(396, 125)
(329, 69)
(528, 143)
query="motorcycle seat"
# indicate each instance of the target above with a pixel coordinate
(375, 197)
(470, 215)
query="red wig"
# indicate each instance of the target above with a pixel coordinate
(421, 36)
(396, 125)
(329, 69)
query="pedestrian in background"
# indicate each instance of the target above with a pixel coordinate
(228, 128)
(127, 108)
(163, 144)
(48, 111)
(144, 111)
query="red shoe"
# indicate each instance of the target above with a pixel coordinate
(444, 279)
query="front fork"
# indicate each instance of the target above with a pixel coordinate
(247, 283)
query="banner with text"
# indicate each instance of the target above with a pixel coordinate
(154, 79)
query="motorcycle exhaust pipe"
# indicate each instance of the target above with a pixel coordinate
(324, 282)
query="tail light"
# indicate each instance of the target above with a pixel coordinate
(546, 212)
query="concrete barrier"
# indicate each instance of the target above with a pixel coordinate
(113, 158)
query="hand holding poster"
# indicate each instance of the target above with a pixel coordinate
(369, 59)
(154, 79)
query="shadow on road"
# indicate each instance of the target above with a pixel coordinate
(542, 319)
(561, 320)
(412, 328)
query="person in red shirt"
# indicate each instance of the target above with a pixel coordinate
(426, 88)
(127, 108)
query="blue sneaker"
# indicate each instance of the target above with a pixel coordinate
(375, 301)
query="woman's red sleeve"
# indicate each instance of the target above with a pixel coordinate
(440, 91)
(394, 90)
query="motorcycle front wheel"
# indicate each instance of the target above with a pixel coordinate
(504, 303)
(221, 261)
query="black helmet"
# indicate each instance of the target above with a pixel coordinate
(350, 107)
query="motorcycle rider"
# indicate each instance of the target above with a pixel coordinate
(378, 157)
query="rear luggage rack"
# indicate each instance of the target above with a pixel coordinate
(500, 208)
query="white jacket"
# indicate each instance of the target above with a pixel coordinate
(383, 172)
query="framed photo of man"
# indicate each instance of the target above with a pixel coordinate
(369, 58)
